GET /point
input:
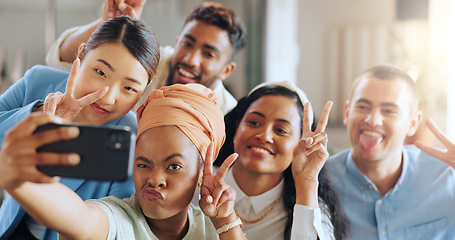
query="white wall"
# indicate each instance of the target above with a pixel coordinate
(316, 19)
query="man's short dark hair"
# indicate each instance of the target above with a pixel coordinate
(223, 17)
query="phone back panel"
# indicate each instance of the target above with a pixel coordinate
(107, 153)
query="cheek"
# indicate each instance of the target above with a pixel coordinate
(139, 179)
(241, 136)
(287, 148)
(127, 102)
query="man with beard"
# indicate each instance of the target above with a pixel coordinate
(388, 190)
(204, 53)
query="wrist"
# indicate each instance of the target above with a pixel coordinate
(307, 193)
(226, 227)
(219, 222)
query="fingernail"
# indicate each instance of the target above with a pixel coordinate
(209, 199)
(74, 159)
(73, 131)
(56, 179)
(122, 6)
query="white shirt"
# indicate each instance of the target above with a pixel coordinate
(227, 101)
(307, 222)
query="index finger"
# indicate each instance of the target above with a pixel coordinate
(322, 124)
(28, 125)
(306, 118)
(438, 133)
(208, 161)
(222, 171)
(71, 83)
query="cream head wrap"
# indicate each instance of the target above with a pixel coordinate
(192, 108)
(291, 86)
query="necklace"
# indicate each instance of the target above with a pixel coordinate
(260, 217)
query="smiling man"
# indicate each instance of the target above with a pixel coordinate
(388, 190)
(204, 52)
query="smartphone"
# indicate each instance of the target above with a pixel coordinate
(107, 152)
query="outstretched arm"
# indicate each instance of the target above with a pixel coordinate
(45, 199)
(217, 197)
(111, 8)
(447, 155)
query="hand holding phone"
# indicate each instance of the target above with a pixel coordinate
(106, 152)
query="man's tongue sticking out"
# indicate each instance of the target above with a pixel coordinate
(369, 140)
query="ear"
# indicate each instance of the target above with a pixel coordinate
(415, 122)
(228, 69)
(346, 113)
(80, 55)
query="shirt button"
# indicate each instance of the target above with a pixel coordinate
(379, 201)
(370, 186)
(362, 187)
(384, 232)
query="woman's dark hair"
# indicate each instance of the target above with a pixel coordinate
(135, 35)
(326, 191)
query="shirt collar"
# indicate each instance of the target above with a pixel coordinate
(259, 202)
(364, 182)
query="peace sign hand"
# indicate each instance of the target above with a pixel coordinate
(217, 197)
(309, 157)
(447, 155)
(311, 152)
(65, 105)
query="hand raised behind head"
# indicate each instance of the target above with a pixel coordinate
(447, 155)
(115, 8)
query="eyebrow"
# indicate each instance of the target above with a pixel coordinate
(113, 69)
(193, 39)
(140, 158)
(278, 119)
(107, 64)
(386, 104)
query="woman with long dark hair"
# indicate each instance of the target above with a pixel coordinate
(282, 189)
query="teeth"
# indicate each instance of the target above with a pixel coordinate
(373, 134)
(261, 150)
(186, 73)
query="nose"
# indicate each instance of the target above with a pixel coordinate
(265, 135)
(374, 118)
(111, 96)
(157, 179)
(193, 58)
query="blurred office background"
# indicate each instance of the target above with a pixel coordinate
(322, 45)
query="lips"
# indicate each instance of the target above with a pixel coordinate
(99, 109)
(151, 194)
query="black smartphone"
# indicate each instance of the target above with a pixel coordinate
(107, 152)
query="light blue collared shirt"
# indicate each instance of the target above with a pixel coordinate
(420, 206)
